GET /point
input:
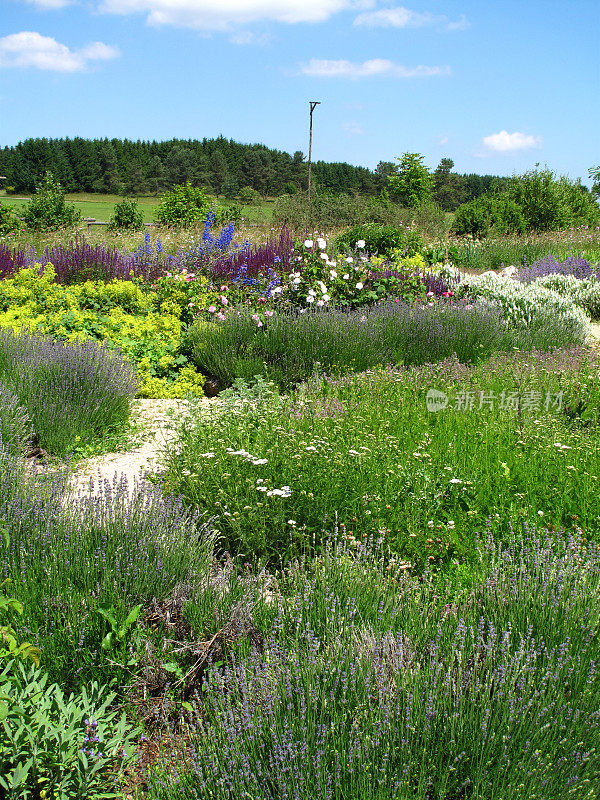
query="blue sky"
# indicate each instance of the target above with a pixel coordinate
(496, 86)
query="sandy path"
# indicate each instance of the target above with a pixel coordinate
(158, 419)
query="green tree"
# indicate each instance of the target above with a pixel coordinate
(594, 174)
(155, 174)
(410, 185)
(47, 210)
(180, 165)
(446, 185)
(218, 166)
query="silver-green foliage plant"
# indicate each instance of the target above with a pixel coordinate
(584, 292)
(54, 746)
(523, 305)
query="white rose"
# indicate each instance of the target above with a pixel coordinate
(308, 243)
(310, 299)
(360, 244)
(332, 273)
(346, 276)
(324, 256)
(326, 298)
(349, 260)
(359, 285)
(322, 243)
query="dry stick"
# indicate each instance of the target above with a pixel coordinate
(202, 659)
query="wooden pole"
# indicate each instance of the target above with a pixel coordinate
(313, 105)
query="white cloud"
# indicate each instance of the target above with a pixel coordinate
(222, 15)
(442, 139)
(49, 4)
(31, 49)
(401, 17)
(376, 67)
(505, 142)
(354, 128)
(248, 37)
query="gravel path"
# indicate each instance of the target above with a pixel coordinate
(158, 419)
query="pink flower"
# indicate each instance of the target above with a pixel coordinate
(220, 315)
(255, 317)
(259, 324)
(268, 313)
(223, 288)
(212, 309)
(262, 299)
(223, 299)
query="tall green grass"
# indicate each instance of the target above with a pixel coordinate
(364, 452)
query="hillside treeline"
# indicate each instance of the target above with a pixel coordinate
(122, 166)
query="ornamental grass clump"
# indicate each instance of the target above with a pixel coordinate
(73, 392)
(492, 694)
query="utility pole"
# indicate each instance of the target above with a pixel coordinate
(313, 105)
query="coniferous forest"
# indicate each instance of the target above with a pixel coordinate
(121, 166)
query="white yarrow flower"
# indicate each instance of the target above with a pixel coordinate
(322, 243)
(360, 244)
(308, 243)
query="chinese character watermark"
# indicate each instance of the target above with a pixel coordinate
(531, 400)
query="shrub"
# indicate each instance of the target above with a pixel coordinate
(145, 325)
(472, 219)
(331, 212)
(48, 210)
(382, 239)
(73, 392)
(249, 196)
(183, 206)
(532, 201)
(126, 216)
(9, 221)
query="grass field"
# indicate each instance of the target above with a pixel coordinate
(100, 206)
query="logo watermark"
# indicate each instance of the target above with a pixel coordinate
(532, 400)
(436, 400)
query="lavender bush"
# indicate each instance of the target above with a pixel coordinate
(287, 348)
(118, 546)
(579, 267)
(493, 694)
(15, 425)
(73, 392)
